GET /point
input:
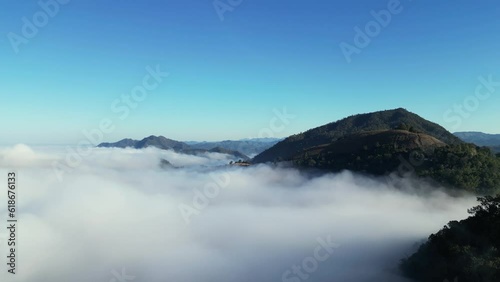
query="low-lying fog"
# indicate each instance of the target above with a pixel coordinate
(117, 216)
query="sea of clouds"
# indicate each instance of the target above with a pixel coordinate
(118, 216)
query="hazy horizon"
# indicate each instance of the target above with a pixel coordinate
(265, 133)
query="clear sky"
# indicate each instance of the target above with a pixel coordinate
(226, 76)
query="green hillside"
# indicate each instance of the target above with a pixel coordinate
(326, 134)
(394, 141)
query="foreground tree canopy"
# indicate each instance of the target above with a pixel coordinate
(468, 250)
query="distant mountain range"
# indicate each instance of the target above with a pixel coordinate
(481, 139)
(220, 150)
(238, 149)
(390, 141)
(151, 141)
(249, 147)
(378, 143)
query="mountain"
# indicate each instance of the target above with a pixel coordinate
(151, 141)
(382, 143)
(326, 134)
(481, 139)
(125, 143)
(263, 139)
(374, 152)
(169, 144)
(161, 143)
(249, 147)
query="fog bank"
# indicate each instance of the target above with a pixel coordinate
(118, 212)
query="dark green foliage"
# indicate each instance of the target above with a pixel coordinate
(402, 126)
(383, 120)
(461, 166)
(376, 158)
(468, 249)
(464, 166)
(396, 140)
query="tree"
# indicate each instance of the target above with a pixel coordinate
(490, 206)
(402, 126)
(469, 249)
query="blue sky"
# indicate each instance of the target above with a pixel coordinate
(226, 76)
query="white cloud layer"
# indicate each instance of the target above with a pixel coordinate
(119, 210)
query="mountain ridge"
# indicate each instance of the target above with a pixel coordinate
(379, 143)
(480, 139)
(325, 134)
(164, 143)
(249, 147)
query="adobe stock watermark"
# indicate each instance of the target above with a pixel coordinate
(277, 123)
(31, 26)
(364, 36)
(223, 6)
(301, 272)
(484, 89)
(202, 197)
(121, 108)
(121, 276)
